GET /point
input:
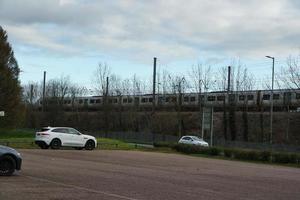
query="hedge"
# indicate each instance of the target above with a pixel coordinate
(241, 154)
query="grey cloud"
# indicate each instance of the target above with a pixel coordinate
(171, 28)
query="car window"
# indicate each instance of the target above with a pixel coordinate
(44, 129)
(59, 130)
(186, 138)
(73, 131)
(196, 138)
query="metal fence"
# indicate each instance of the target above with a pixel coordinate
(138, 137)
(258, 146)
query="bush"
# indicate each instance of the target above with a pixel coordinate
(285, 158)
(193, 149)
(264, 156)
(215, 151)
(240, 154)
(228, 153)
(164, 144)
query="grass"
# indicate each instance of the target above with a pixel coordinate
(24, 139)
(16, 133)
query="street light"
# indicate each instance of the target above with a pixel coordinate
(271, 99)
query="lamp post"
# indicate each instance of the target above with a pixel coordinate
(271, 100)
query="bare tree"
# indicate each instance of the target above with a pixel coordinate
(102, 72)
(31, 93)
(290, 74)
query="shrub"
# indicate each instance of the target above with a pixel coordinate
(193, 149)
(245, 154)
(214, 151)
(264, 156)
(164, 144)
(228, 153)
(285, 158)
(240, 154)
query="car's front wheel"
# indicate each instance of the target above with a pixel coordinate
(90, 145)
(55, 144)
(7, 166)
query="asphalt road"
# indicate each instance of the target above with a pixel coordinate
(129, 175)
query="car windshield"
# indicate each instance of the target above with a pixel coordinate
(196, 138)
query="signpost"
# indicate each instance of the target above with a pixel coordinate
(2, 113)
(208, 122)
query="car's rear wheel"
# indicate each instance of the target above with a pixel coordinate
(7, 166)
(90, 145)
(55, 144)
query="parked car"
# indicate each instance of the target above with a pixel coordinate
(56, 137)
(10, 160)
(193, 140)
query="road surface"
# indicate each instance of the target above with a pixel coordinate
(130, 175)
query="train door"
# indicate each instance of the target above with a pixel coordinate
(287, 97)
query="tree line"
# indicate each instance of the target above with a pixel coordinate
(19, 103)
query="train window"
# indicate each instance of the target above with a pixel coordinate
(136, 100)
(266, 97)
(211, 98)
(275, 96)
(160, 99)
(220, 98)
(250, 97)
(115, 100)
(65, 101)
(125, 100)
(110, 100)
(150, 99)
(242, 97)
(98, 101)
(201, 98)
(232, 97)
(186, 99)
(80, 101)
(86, 100)
(69, 102)
(168, 99)
(92, 101)
(193, 99)
(174, 99)
(129, 100)
(144, 100)
(297, 95)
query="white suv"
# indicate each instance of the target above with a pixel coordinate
(56, 137)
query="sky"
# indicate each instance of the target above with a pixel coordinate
(71, 37)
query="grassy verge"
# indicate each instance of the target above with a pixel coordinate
(24, 139)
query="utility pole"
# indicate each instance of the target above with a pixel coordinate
(229, 77)
(107, 85)
(44, 89)
(31, 94)
(153, 97)
(271, 100)
(154, 84)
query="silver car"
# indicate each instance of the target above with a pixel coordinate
(193, 140)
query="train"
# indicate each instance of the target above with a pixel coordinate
(252, 100)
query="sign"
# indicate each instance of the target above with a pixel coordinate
(2, 113)
(207, 118)
(208, 122)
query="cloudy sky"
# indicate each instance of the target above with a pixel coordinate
(71, 37)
